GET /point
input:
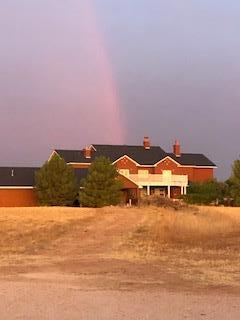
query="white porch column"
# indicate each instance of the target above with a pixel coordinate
(184, 190)
(169, 192)
(148, 190)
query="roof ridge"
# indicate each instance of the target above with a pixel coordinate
(123, 145)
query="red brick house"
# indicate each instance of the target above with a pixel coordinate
(147, 169)
(143, 169)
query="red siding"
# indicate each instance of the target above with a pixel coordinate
(150, 169)
(194, 174)
(126, 163)
(80, 165)
(202, 174)
(18, 198)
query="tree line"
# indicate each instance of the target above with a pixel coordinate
(56, 184)
(216, 192)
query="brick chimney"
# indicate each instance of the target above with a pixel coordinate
(87, 151)
(177, 148)
(146, 143)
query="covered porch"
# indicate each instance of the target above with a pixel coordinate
(164, 191)
(165, 184)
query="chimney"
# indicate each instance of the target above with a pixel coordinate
(87, 151)
(177, 148)
(146, 143)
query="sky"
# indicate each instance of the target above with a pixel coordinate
(74, 73)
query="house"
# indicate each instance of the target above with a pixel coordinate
(147, 169)
(143, 170)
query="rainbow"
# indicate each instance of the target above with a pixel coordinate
(109, 104)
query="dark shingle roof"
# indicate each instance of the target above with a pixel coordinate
(192, 159)
(114, 152)
(25, 176)
(17, 176)
(138, 153)
(72, 156)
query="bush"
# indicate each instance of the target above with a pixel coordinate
(206, 192)
(163, 202)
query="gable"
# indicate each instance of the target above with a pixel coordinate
(126, 162)
(167, 164)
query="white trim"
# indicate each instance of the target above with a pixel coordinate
(201, 167)
(91, 146)
(52, 154)
(185, 166)
(167, 157)
(85, 163)
(14, 187)
(125, 156)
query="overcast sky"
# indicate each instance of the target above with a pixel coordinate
(106, 71)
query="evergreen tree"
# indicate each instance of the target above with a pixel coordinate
(101, 187)
(234, 182)
(56, 183)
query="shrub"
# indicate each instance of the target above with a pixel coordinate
(205, 192)
(163, 202)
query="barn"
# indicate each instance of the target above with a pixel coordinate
(17, 187)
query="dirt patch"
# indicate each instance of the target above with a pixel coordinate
(64, 299)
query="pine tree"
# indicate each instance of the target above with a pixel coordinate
(101, 187)
(56, 183)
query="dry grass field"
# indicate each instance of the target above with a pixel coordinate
(200, 245)
(124, 248)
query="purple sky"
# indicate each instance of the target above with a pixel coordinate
(100, 71)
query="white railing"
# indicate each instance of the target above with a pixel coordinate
(159, 180)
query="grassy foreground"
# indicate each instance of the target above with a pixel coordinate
(199, 245)
(28, 230)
